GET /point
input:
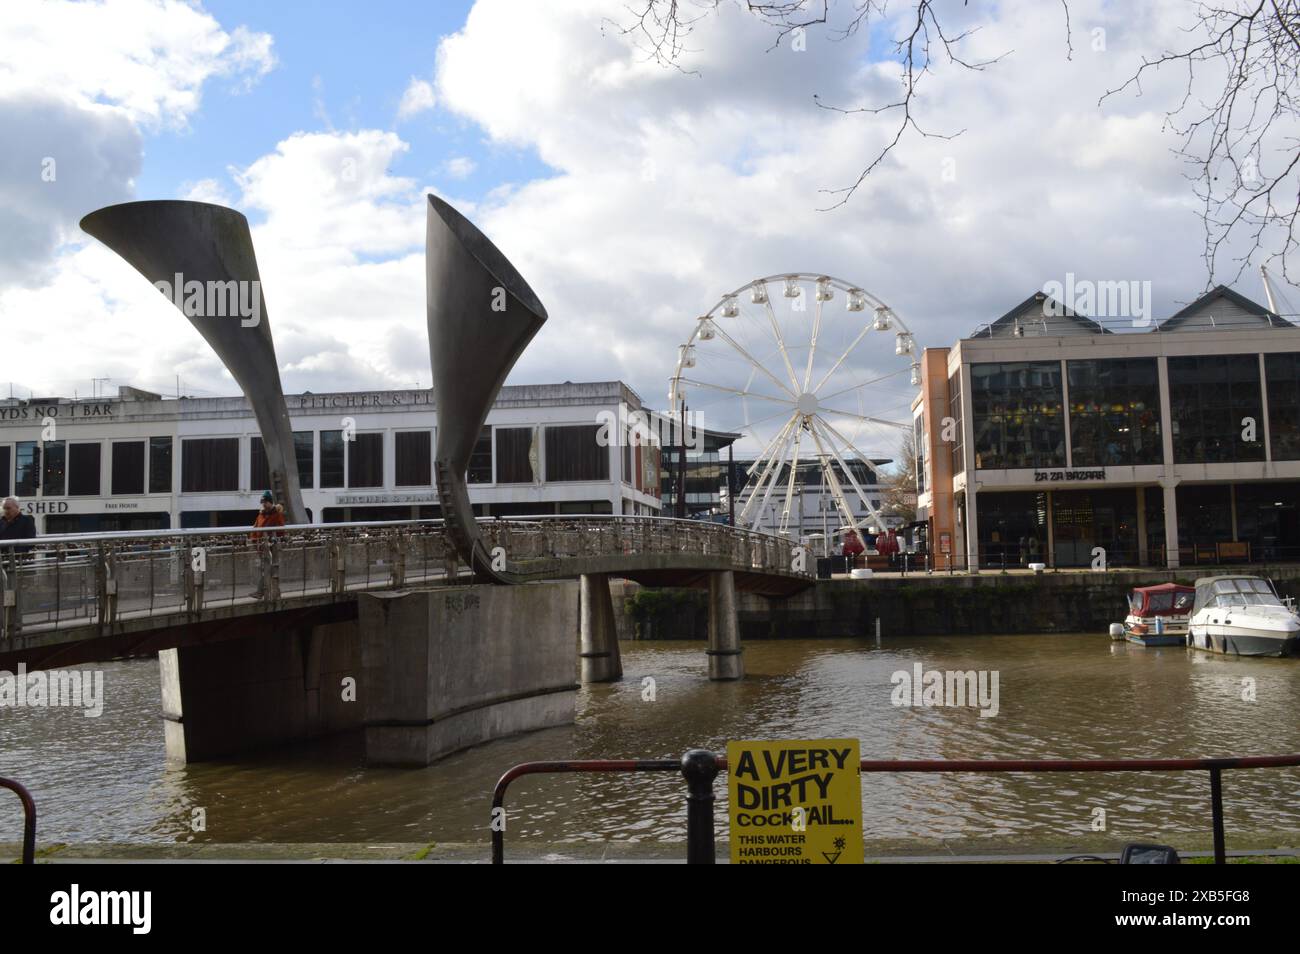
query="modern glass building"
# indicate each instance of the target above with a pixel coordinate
(1050, 438)
(141, 462)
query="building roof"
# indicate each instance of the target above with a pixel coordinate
(1040, 315)
(1219, 308)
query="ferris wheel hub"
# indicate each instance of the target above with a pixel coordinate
(807, 404)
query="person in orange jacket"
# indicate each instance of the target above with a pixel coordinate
(271, 515)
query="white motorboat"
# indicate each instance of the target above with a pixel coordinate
(1243, 616)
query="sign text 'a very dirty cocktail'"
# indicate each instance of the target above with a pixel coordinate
(795, 802)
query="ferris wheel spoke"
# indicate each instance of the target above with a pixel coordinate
(776, 450)
(812, 345)
(776, 473)
(761, 420)
(737, 391)
(732, 341)
(789, 487)
(864, 384)
(780, 342)
(848, 472)
(849, 444)
(840, 360)
(862, 417)
(837, 492)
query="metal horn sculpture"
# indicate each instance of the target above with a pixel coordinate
(482, 314)
(203, 255)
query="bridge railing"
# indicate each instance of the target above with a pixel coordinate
(102, 579)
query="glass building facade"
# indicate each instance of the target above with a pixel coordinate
(1017, 415)
(1217, 408)
(1114, 412)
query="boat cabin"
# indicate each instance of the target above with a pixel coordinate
(1166, 599)
(1234, 591)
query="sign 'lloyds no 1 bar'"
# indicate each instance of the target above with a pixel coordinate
(795, 802)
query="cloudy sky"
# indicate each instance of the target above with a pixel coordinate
(630, 195)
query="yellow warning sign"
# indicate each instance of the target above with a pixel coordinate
(795, 803)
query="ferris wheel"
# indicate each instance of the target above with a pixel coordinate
(800, 366)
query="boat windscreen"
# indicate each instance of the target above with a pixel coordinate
(1244, 592)
(1160, 602)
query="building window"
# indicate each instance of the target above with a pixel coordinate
(128, 467)
(573, 453)
(83, 470)
(954, 412)
(54, 468)
(1018, 421)
(480, 462)
(304, 449)
(4, 471)
(513, 445)
(160, 465)
(366, 460)
(414, 453)
(1282, 371)
(260, 468)
(1114, 412)
(918, 444)
(1208, 398)
(209, 465)
(331, 459)
(27, 468)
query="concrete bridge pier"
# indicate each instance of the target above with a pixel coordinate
(599, 653)
(451, 667)
(725, 659)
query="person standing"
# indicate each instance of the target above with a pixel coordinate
(16, 525)
(271, 515)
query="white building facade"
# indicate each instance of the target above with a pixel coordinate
(144, 462)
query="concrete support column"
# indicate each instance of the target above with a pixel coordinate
(725, 660)
(451, 667)
(599, 653)
(972, 529)
(1142, 524)
(1171, 523)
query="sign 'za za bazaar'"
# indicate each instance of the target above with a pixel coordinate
(795, 802)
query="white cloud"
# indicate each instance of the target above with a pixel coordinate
(417, 98)
(667, 189)
(671, 188)
(205, 190)
(460, 167)
(78, 84)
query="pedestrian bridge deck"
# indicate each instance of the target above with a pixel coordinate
(109, 587)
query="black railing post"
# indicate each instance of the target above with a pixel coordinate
(29, 818)
(700, 767)
(1216, 810)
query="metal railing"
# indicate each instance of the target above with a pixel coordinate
(78, 580)
(700, 767)
(29, 818)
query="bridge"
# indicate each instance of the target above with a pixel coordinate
(258, 631)
(81, 598)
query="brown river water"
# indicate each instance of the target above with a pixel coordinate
(106, 779)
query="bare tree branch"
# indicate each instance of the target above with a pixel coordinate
(1237, 121)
